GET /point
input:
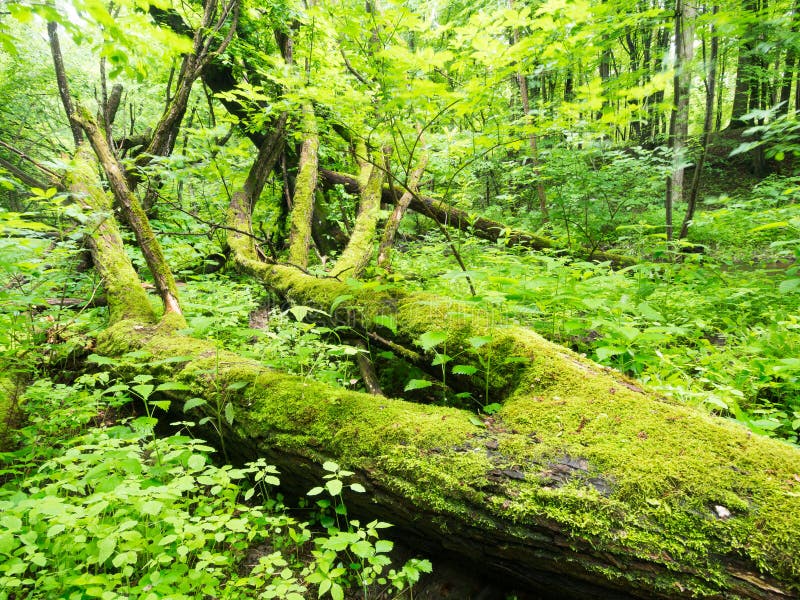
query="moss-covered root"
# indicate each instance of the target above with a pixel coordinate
(134, 214)
(304, 191)
(582, 484)
(126, 297)
(359, 249)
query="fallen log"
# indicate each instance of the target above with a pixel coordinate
(582, 485)
(481, 227)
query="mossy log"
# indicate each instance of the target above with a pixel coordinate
(582, 485)
(481, 227)
(583, 481)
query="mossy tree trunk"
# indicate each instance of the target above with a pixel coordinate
(389, 232)
(360, 248)
(582, 484)
(134, 214)
(305, 187)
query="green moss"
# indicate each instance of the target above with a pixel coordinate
(303, 200)
(578, 449)
(127, 298)
(359, 249)
(662, 468)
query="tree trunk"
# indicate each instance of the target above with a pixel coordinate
(385, 249)
(522, 83)
(679, 121)
(359, 249)
(708, 127)
(304, 191)
(745, 74)
(61, 79)
(135, 216)
(583, 485)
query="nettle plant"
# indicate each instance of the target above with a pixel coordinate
(117, 512)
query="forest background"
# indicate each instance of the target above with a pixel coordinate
(618, 177)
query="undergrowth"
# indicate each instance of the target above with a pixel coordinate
(113, 511)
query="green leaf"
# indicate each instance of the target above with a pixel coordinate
(54, 530)
(388, 321)
(476, 421)
(299, 312)
(11, 523)
(229, 413)
(330, 466)
(431, 339)
(101, 360)
(479, 340)
(238, 385)
(768, 226)
(357, 487)
(315, 491)
(143, 390)
(171, 385)
(337, 593)
(193, 403)
(105, 548)
(362, 549)
(383, 546)
(196, 462)
(7, 542)
(464, 370)
(334, 487)
(162, 404)
(152, 507)
(605, 352)
(417, 384)
(338, 301)
(789, 286)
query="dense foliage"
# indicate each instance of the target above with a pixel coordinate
(576, 120)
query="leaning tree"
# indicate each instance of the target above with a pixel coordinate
(583, 483)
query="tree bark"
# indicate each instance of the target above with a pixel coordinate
(583, 485)
(708, 128)
(61, 79)
(679, 121)
(522, 82)
(745, 72)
